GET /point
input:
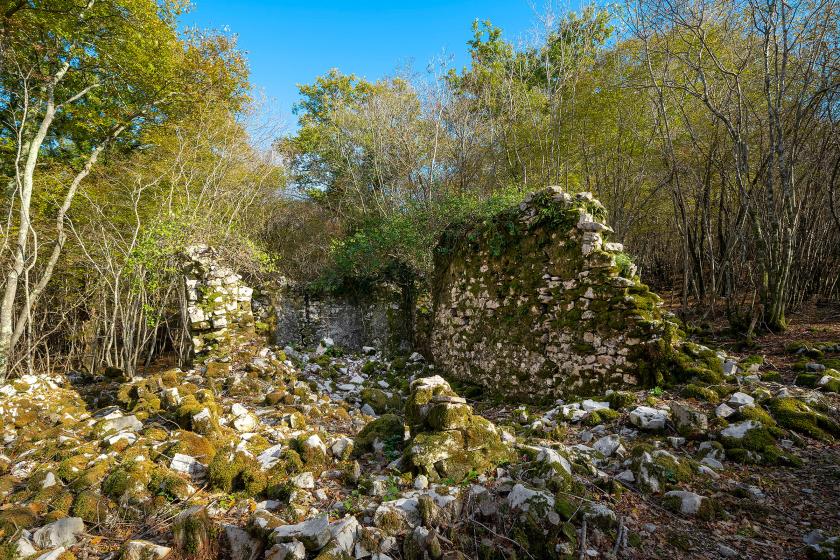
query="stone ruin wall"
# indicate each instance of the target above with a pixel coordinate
(224, 312)
(531, 304)
(534, 306)
(219, 304)
(377, 318)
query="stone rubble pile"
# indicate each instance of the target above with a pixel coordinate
(286, 453)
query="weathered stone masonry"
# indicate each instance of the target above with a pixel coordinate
(378, 317)
(533, 305)
(218, 304)
(223, 312)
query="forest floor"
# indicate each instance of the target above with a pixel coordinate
(282, 454)
(795, 500)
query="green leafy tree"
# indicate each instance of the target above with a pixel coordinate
(76, 81)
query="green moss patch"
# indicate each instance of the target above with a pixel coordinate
(601, 416)
(231, 471)
(701, 393)
(620, 399)
(388, 429)
(796, 415)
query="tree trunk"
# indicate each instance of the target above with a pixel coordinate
(7, 306)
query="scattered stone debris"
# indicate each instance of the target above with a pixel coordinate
(274, 453)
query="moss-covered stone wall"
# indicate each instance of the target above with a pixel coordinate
(219, 309)
(535, 304)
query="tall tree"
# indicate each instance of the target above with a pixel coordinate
(77, 79)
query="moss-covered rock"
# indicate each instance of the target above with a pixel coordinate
(701, 393)
(796, 415)
(192, 444)
(757, 413)
(620, 399)
(92, 507)
(275, 397)
(131, 476)
(15, 519)
(233, 470)
(449, 441)
(169, 485)
(387, 431)
(193, 532)
(379, 400)
(750, 441)
(199, 413)
(92, 476)
(600, 416)
(689, 503)
(311, 449)
(422, 391)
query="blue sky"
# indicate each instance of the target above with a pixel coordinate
(293, 41)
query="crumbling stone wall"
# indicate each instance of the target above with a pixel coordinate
(535, 305)
(219, 309)
(377, 317)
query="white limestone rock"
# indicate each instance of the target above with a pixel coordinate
(740, 429)
(59, 533)
(723, 410)
(270, 456)
(53, 554)
(690, 503)
(607, 445)
(304, 480)
(313, 533)
(238, 544)
(589, 405)
(286, 551)
(525, 499)
(740, 399)
(340, 446)
(344, 533)
(648, 418)
(144, 550)
(188, 465)
(243, 420)
(402, 509)
(120, 424)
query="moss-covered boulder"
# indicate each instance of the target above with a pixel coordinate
(379, 400)
(92, 507)
(796, 415)
(386, 431)
(233, 470)
(448, 440)
(659, 470)
(689, 503)
(192, 444)
(15, 519)
(751, 441)
(193, 533)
